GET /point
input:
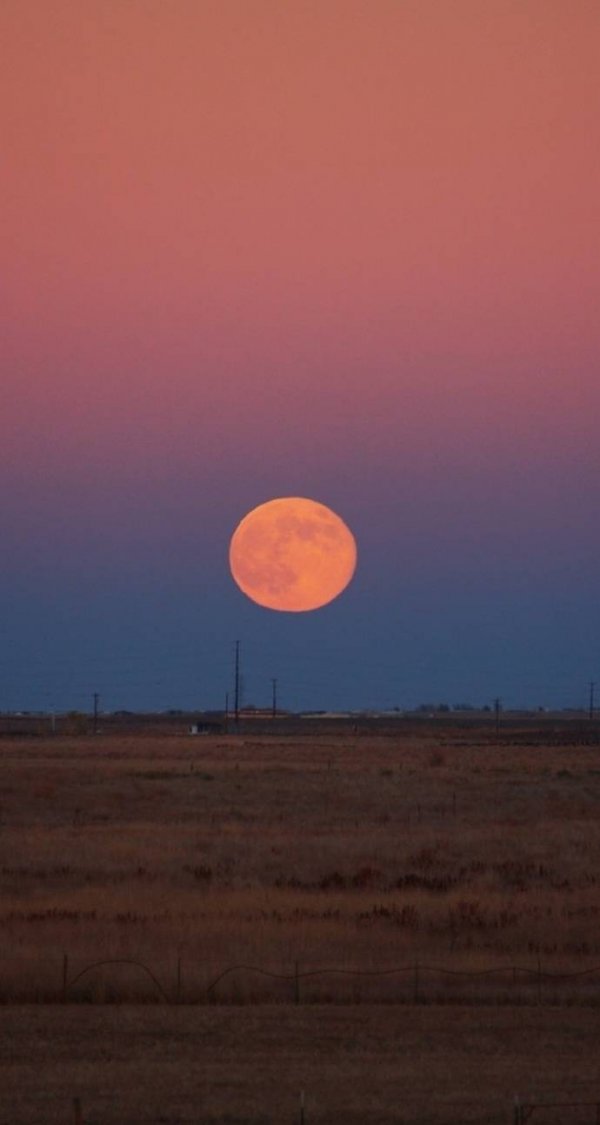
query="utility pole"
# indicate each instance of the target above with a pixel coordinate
(226, 711)
(96, 698)
(236, 697)
(274, 704)
(592, 695)
(497, 704)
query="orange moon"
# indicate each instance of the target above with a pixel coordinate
(292, 554)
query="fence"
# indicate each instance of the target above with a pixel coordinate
(416, 983)
(523, 1111)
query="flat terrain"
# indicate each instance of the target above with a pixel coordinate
(384, 1064)
(194, 929)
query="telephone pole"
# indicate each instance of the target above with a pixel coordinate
(236, 695)
(96, 699)
(497, 704)
(274, 704)
(592, 698)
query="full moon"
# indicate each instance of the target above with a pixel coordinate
(292, 554)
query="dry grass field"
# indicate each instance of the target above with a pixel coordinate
(434, 850)
(380, 1065)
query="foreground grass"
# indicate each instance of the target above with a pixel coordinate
(424, 1066)
(352, 851)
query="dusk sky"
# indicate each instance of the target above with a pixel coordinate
(326, 248)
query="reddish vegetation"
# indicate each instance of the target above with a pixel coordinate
(361, 1065)
(351, 851)
(437, 851)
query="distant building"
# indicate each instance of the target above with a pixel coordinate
(202, 728)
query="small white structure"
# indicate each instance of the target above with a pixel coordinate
(198, 728)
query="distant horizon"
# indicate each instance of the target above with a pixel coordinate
(264, 712)
(85, 706)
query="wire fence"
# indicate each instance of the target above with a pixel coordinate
(546, 1113)
(555, 1111)
(190, 982)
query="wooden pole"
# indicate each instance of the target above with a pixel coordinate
(416, 982)
(236, 686)
(497, 704)
(302, 1114)
(296, 984)
(178, 987)
(65, 977)
(77, 1117)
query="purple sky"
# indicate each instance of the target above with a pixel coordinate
(341, 251)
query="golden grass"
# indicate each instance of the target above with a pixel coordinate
(362, 852)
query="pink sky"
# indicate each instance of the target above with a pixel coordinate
(335, 247)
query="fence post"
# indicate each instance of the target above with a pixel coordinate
(517, 1119)
(178, 985)
(65, 977)
(416, 982)
(302, 1116)
(77, 1118)
(539, 988)
(296, 984)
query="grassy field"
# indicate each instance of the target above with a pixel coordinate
(247, 1066)
(436, 850)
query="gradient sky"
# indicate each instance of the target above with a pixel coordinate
(340, 249)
